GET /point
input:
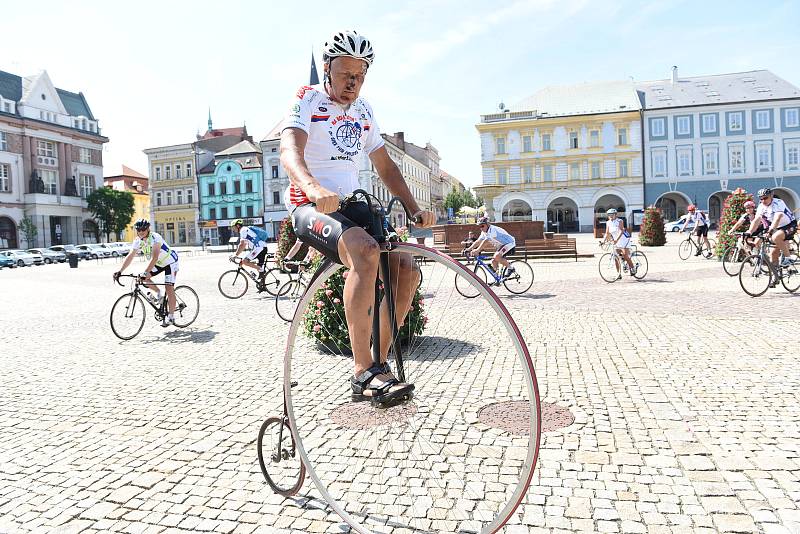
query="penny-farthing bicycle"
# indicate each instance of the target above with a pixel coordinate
(459, 455)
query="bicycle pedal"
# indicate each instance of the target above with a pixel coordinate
(293, 383)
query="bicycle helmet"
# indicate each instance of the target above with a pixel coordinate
(237, 222)
(691, 207)
(765, 192)
(350, 44)
(141, 224)
(611, 211)
(482, 220)
(749, 204)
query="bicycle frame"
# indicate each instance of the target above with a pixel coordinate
(479, 260)
(137, 291)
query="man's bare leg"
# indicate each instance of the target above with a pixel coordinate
(405, 278)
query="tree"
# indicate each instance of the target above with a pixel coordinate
(454, 199)
(29, 230)
(652, 232)
(113, 210)
(732, 209)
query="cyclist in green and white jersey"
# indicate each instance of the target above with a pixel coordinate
(162, 260)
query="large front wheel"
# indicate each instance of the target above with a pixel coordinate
(464, 285)
(127, 316)
(685, 249)
(732, 260)
(233, 284)
(755, 276)
(460, 454)
(610, 267)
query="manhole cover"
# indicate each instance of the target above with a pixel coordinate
(513, 417)
(362, 415)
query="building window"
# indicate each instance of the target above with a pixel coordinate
(622, 136)
(762, 119)
(527, 174)
(502, 176)
(158, 198)
(792, 157)
(763, 157)
(710, 160)
(248, 186)
(158, 173)
(735, 158)
(179, 196)
(274, 171)
(190, 196)
(791, 117)
(546, 142)
(85, 155)
(250, 211)
(684, 127)
(181, 228)
(594, 138)
(50, 179)
(685, 162)
(526, 143)
(223, 188)
(709, 123)
(188, 170)
(735, 121)
(657, 127)
(595, 169)
(178, 171)
(623, 168)
(276, 197)
(573, 139)
(223, 213)
(3, 141)
(548, 173)
(574, 171)
(212, 213)
(5, 175)
(237, 186)
(211, 190)
(87, 185)
(237, 210)
(500, 145)
(167, 172)
(169, 198)
(46, 149)
(659, 164)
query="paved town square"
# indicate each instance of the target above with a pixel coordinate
(683, 391)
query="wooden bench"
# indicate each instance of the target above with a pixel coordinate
(560, 246)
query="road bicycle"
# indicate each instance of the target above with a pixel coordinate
(129, 311)
(612, 265)
(456, 455)
(277, 454)
(288, 295)
(691, 244)
(757, 273)
(233, 284)
(734, 255)
(516, 278)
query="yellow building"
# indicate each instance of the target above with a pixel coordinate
(135, 183)
(564, 156)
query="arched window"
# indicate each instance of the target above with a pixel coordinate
(8, 233)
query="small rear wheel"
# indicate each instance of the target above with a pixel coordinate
(685, 249)
(609, 267)
(640, 262)
(187, 306)
(233, 284)
(278, 458)
(521, 279)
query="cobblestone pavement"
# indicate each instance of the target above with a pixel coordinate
(680, 427)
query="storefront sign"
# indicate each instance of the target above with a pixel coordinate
(247, 222)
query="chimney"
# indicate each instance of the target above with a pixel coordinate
(400, 136)
(674, 74)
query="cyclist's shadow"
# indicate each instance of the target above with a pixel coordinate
(181, 335)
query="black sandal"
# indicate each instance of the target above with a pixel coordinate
(385, 390)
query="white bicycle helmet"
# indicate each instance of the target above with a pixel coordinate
(611, 211)
(348, 43)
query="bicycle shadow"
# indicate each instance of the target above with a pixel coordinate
(534, 296)
(183, 336)
(655, 281)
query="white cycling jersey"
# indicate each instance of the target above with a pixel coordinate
(775, 208)
(166, 255)
(498, 237)
(699, 218)
(336, 139)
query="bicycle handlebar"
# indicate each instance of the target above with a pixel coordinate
(117, 277)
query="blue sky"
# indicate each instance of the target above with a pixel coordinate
(151, 72)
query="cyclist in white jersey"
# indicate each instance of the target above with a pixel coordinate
(616, 232)
(779, 221)
(162, 260)
(700, 227)
(503, 243)
(327, 128)
(257, 238)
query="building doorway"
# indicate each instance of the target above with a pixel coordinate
(517, 210)
(8, 233)
(562, 216)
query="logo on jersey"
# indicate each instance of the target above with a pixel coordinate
(302, 91)
(318, 227)
(322, 109)
(296, 108)
(349, 134)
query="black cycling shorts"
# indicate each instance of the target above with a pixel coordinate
(701, 231)
(323, 230)
(169, 277)
(790, 230)
(261, 257)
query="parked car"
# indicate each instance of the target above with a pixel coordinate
(109, 247)
(675, 226)
(96, 251)
(22, 258)
(50, 256)
(121, 247)
(5, 261)
(72, 249)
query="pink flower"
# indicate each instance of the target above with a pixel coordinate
(421, 300)
(329, 292)
(337, 301)
(318, 312)
(424, 319)
(325, 285)
(320, 304)
(317, 328)
(344, 274)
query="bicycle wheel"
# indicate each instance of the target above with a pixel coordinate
(274, 279)
(127, 316)
(610, 267)
(187, 306)
(465, 287)
(521, 280)
(278, 458)
(732, 260)
(790, 278)
(755, 276)
(233, 284)
(459, 456)
(640, 262)
(287, 297)
(685, 249)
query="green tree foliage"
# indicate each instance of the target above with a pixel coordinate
(651, 233)
(112, 209)
(29, 230)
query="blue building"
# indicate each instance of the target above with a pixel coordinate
(231, 187)
(706, 136)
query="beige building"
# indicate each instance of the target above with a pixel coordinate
(127, 179)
